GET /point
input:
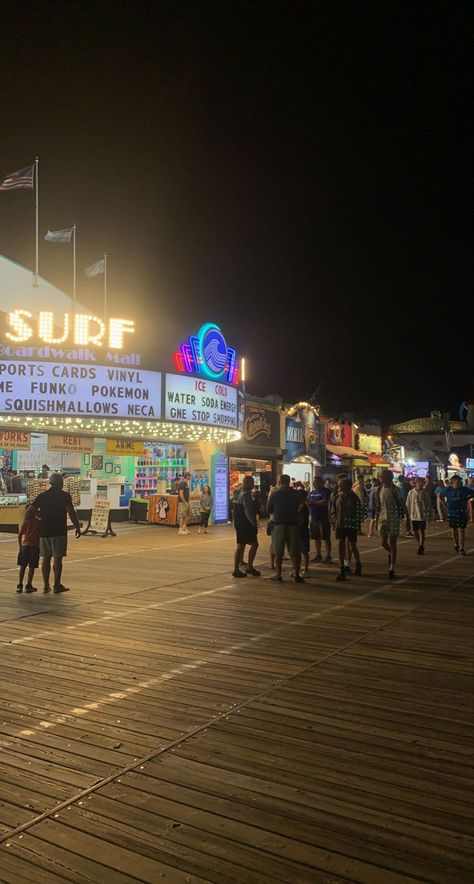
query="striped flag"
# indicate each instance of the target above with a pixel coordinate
(95, 269)
(59, 235)
(22, 179)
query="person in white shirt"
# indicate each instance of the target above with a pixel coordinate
(419, 512)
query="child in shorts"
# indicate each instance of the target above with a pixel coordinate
(28, 554)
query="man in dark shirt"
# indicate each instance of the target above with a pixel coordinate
(284, 507)
(183, 486)
(245, 524)
(320, 528)
(54, 506)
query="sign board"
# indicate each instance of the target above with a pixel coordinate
(100, 516)
(70, 443)
(54, 388)
(469, 463)
(338, 433)
(261, 426)
(220, 487)
(369, 443)
(304, 437)
(13, 440)
(128, 447)
(200, 401)
(206, 353)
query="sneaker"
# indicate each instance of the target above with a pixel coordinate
(409, 534)
(341, 576)
(276, 578)
(391, 574)
(19, 587)
(327, 560)
(420, 551)
(462, 552)
(298, 579)
(238, 574)
(253, 572)
(30, 588)
(58, 587)
(358, 569)
(348, 569)
(317, 559)
(306, 573)
(46, 589)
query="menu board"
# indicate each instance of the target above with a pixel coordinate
(220, 487)
(100, 516)
(200, 401)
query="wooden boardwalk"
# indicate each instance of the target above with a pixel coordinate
(164, 722)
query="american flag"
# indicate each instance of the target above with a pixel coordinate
(22, 179)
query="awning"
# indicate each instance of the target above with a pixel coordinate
(377, 461)
(346, 451)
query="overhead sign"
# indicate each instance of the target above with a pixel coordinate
(369, 443)
(125, 447)
(207, 353)
(70, 443)
(68, 390)
(82, 329)
(338, 433)
(304, 436)
(200, 401)
(469, 462)
(261, 426)
(12, 440)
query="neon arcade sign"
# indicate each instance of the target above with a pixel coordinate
(207, 353)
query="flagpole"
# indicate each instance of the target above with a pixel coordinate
(35, 278)
(105, 285)
(74, 264)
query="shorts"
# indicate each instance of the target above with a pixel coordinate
(28, 556)
(384, 530)
(321, 530)
(372, 514)
(53, 547)
(184, 510)
(246, 534)
(347, 534)
(304, 539)
(419, 526)
(458, 521)
(286, 535)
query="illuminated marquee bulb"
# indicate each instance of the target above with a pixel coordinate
(117, 329)
(46, 328)
(81, 330)
(23, 331)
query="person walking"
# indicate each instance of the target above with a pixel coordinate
(205, 507)
(457, 496)
(320, 529)
(403, 487)
(360, 490)
(347, 515)
(29, 553)
(390, 510)
(441, 508)
(245, 523)
(372, 507)
(184, 511)
(54, 506)
(284, 506)
(419, 512)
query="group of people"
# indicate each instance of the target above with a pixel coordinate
(184, 507)
(44, 533)
(297, 516)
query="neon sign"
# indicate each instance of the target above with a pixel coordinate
(207, 353)
(79, 328)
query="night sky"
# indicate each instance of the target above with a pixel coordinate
(296, 171)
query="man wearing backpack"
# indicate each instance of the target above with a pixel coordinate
(391, 509)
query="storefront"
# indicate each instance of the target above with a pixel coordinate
(342, 456)
(305, 449)
(74, 396)
(259, 452)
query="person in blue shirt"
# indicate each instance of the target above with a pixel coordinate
(457, 497)
(320, 527)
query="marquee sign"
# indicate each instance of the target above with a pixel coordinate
(200, 401)
(207, 353)
(82, 329)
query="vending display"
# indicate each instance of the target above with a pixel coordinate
(161, 464)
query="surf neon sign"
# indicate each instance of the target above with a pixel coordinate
(207, 353)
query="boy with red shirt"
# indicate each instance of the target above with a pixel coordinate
(28, 555)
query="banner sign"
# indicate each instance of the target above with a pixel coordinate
(220, 487)
(369, 443)
(90, 390)
(14, 440)
(128, 447)
(70, 443)
(261, 426)
(338, 434)
(200, 401)
(304, 437)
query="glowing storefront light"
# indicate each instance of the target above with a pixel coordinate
(82, 337)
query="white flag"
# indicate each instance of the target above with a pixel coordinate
(96, 269)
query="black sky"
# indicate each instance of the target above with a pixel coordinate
(296, 171)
